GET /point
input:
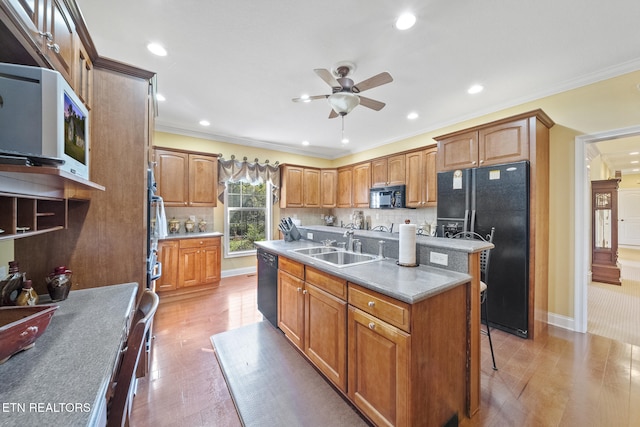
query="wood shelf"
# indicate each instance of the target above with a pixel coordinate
(44, 181)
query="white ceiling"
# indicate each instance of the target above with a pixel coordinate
(239, 63)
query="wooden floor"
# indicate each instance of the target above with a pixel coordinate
(561, 379)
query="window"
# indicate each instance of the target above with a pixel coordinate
(247, 217)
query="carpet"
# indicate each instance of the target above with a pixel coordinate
(273, 385)
(614, 311)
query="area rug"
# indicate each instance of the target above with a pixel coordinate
(273, 385)
(614, 311)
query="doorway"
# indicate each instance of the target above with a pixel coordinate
(582, 228)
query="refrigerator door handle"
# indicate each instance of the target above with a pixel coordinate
(472, 226)
(466, 220)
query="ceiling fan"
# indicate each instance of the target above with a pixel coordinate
(345, 95)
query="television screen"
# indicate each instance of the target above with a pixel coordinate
(74, 131)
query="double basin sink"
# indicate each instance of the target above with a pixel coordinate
(335, 256)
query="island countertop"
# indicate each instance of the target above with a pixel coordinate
(63, 379)
(408, 284)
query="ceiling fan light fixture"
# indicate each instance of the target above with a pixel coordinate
(343, 102)
(157, 49)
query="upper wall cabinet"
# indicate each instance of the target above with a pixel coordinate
(186, 178)
(421, 178)
(49, 27)
(499, 142)
(345, 184)
(300, 187)
(387, 171)
(328, 188)
(361, 184)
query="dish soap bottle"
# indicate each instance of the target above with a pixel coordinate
(11, 285)
(28, 296)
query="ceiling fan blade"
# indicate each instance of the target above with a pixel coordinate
(371, 103)
(333, 114)
(310, 98)
(329, 79)
(375, 81)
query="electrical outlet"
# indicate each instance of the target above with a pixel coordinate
(438, 258)
(309, 236)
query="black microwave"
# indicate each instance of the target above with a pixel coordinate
(387, 197)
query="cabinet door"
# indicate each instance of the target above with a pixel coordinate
(345, 183)
(311, 188)
(210, 264)
(329, 188)
(168, 252)
(458, 152)
(291, 307)
(58, 22)
(172, 177)
(203, 178)
(504, 143)
(325, 335)
(378, 369)
(379, 172)
(361, 185)
(396, 170)
(189, 269)
(414, 179)
(430, 177)
(292, 187)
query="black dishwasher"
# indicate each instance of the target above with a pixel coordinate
(268, 285)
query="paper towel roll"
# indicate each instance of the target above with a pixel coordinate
(407, 244)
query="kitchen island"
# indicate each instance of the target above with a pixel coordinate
(396, 341)
(63, 379)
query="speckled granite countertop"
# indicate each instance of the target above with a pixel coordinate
(63, 379)
(408, 284)
(194, 235)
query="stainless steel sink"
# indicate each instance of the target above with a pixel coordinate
(335, 256)
(316, 250)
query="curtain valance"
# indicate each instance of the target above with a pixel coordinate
(233, 170)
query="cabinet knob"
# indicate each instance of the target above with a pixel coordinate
(299, 289)
(473, 162)
(371, 304)
(481, 161)
(304, 292)
(372, 325)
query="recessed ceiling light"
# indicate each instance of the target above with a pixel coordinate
(345, 140)
(305, 142)
(160, 97)
(157, 49)
(405, 21)
(475, 89)
(204, 123)
(412, 116)
(634, 153)
(635, 162)
(635, 170)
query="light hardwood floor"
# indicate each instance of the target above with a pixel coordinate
(561, 379)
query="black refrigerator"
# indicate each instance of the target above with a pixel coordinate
(494, 196)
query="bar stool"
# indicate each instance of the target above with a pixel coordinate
(484, 279)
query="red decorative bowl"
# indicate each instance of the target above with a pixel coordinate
(21, 326)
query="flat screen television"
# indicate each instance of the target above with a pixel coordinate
(42, 119)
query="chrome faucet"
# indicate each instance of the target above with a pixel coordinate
(349, 235)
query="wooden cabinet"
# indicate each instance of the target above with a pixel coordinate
(300, 187)
(199, 262)
(498, 142)
(328, 188)
(313, 317)
(168, 252)
(189, 265)
(361, 184)
(345, 190)
(387, 171)
(186, 178)
(51, 29)
(421, 178)
(379, 369)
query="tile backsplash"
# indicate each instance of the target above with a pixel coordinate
(182, 214)
(373, 217)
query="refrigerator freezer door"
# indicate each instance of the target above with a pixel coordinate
(454, 192)
(502, 201)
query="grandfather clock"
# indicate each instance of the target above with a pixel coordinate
(604, 231)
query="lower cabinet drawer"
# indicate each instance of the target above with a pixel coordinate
(335, 286)
(197, 243)
(392, 311)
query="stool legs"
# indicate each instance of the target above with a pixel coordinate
(483, 306)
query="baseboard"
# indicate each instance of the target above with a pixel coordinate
(238, 272)
(561, 321)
